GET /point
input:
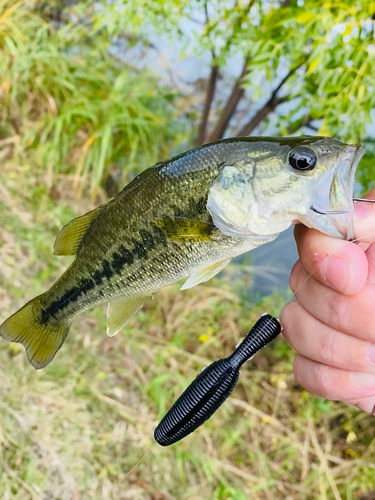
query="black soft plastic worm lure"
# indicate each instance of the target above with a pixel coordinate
(213, 385)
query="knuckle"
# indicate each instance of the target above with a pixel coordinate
(287, 318)
(297, 371)
(366, 320)
(295, 275)
(312, 376)
(329, 350)
(301, 370)
(343, 351)
(324, 382)
(317, 378)
(340, 311)
(355, 315)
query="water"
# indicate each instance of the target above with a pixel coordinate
(270, 264)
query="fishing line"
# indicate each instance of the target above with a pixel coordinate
(362, 238)
(308, 277)
(344, 243)
(134, 467)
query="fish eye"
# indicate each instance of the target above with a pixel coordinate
(302, 159)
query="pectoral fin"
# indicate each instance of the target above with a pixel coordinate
(182, 229)
(120, 311)
(205, 274)
(69, 237)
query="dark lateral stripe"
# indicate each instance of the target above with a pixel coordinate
(160, 237)
(97, 277)
(121, 258)
(107, 271)
(67, 298)
(139, 250)
(148, 242)
(147, 239)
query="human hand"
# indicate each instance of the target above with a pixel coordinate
(331, 322)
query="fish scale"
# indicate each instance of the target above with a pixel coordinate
(185, 217)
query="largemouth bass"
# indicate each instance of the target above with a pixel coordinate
(187, 217)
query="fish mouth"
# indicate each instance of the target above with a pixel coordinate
(334, 195)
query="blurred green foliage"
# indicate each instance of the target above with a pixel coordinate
(79, 108)
(365, 173)
(66, 95)
(326, 46)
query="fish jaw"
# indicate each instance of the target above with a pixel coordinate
(331, 211)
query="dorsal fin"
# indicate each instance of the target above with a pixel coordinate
(69, 237)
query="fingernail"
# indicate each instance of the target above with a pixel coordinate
(363, 380)
(371, 354)
(335, 272)
(361, 209)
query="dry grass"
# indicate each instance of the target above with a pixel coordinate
(82, 428)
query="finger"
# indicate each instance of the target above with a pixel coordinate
(335, 384)
(365, 404)
(327, 257)
(341, 265)
(353, 315)
(326, 345)
(370, 254)
(364, 219)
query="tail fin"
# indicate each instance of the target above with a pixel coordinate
(42, 341)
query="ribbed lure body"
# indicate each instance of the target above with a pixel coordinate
(213, 385)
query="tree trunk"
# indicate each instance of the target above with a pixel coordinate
(230, 107)
(210, 92)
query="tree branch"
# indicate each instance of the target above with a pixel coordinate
(230, 106)
(303, 122)
(210, 92)
(268, 107)
(237, 91)
(264, 111)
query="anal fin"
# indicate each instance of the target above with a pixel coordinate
(69, 237)
(120, 311)
(205, 274)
